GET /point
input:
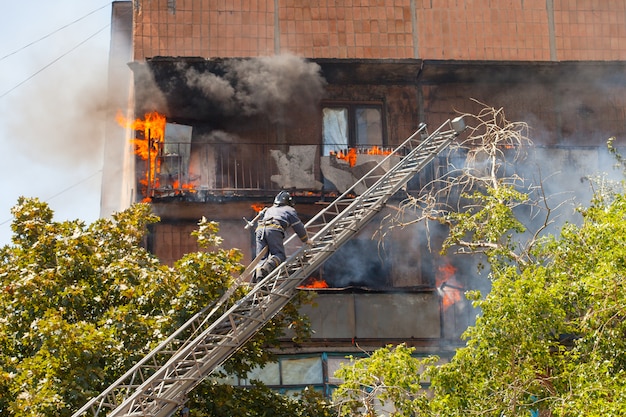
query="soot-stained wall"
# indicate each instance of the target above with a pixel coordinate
(567, 106)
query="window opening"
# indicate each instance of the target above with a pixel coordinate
(350, 129)
(352, 126)
(335, 130)
(369, 129)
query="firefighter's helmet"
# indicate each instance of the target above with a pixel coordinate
(283, 198)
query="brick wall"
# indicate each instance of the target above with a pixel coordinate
(171, 241)
(590, 29)
(509, 30)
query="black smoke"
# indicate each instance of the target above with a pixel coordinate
(274, 86)
(357, 263)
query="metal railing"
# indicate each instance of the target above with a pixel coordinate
(219, 168)
(213, 167)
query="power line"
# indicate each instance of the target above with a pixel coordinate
(53, 32)
(47, 66)
(55, 60)
(74, 185)
(64, 190)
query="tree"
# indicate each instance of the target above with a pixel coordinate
(80, 304)
(476, 200)
(213, 400)
(549, 339)
(389, 376)
(551, 333)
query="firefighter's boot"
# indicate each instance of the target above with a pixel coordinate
(258, 275)
(268, 266)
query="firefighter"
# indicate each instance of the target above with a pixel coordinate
(270, 233)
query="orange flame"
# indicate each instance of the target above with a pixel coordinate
(314, 283)
(152, 128)
(375, 150)
(186, 187)
(149, 140)
(351, 155)
(257, 207)
(449, 295)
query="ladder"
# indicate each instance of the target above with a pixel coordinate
(159, 383)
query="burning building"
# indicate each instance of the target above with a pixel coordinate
(232, 104)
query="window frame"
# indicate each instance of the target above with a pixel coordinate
(352, 107)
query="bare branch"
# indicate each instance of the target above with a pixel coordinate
(482, 160)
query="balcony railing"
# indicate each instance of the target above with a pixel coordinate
(197, 171)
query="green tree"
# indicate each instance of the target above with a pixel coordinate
(213, 400)
(550, 336)
(80, 304)
(389, 376)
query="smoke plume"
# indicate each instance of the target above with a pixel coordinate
(274, 86)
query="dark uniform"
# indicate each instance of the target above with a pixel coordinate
(270, 232)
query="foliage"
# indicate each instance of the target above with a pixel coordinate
(476, 200)
(389, 376)
(551, 334)
(80, 304)
(212, 400)
(550, 337)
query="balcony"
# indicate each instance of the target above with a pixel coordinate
(205, 171)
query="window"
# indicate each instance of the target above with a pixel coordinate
(369, 129)
(292, 371)
(351, 126)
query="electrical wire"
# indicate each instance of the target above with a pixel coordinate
(53, 32)
(74, 185)
(55, 60)
(48, 65)
(64, 191)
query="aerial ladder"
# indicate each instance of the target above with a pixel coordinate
(160, 382)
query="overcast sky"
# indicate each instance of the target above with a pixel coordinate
(53, 62)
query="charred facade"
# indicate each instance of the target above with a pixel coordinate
(234, 155)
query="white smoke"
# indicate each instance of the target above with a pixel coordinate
(53, 108)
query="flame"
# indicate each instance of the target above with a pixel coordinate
(149, 140)
(446, 272)
(152, 128)
(314, 283)
(351, 155)
(375, 150)
(449, 295)
(257, 207)
(186, 187)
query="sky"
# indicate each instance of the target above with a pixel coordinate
(53, 81)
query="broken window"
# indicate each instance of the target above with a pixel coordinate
(351, 126)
